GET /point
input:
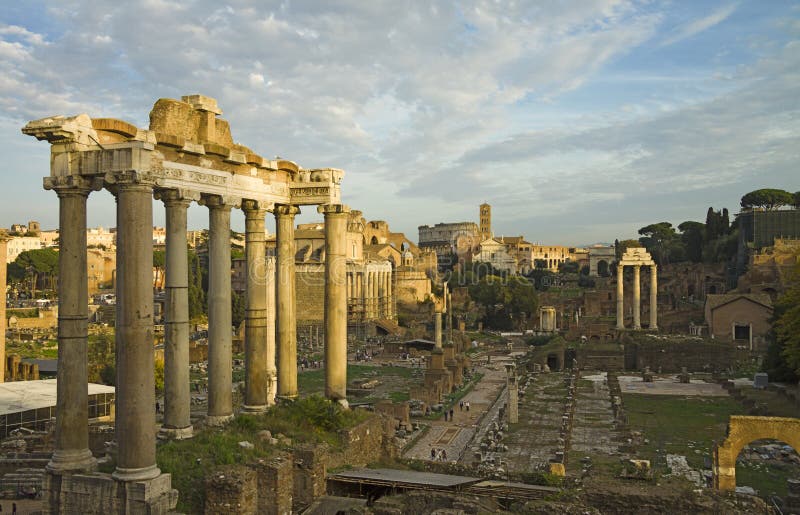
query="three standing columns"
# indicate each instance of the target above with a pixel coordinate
(336, 218)
(285, 323)
(220, 380)
(177, 423)
(257, 381)
(71, 432)
(637, 297)
(136, 420)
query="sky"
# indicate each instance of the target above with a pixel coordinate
(578, 121)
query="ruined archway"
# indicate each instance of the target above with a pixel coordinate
(741, 431)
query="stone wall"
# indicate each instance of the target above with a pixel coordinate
(310, 291)
(672, 356)
(275, 483)
(232, 490)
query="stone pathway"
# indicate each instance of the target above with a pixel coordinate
(453, 437)
(534, 441)
(593, 428)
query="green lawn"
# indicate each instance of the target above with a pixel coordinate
(679, 425)
(313, 381)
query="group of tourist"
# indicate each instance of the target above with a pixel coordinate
(438, 454)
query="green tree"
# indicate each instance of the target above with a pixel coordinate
(693, 237)
(767, 198)
(238, 306)
(159, 264)
(197, 295)
(661, 241)
(40, 267)
(796, 200)
(506, 302)
(787, 323)
(621, 246)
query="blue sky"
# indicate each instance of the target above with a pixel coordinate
(578, 121)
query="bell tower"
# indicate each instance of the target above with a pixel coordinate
(485, 224)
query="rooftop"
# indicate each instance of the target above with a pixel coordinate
(17, 396)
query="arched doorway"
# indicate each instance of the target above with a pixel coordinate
(602, 268)
(743, 430)
(553, 362)
(374, 240)
(765, 466)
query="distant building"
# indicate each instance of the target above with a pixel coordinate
(452, 242)
(495, 253)
(759, 229)
(485, 221)
(549, 257)
(100, 237)
(739, 318)
(19, 244)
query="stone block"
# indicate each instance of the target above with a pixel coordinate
(232, 490)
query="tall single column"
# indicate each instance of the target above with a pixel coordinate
(220, 363)
(72, 404)
(653, 297)
(513, 394)
(3, 285)
(136, 415)
(637, 298)
(437, 319)
(255, 335)
(286, 324)
(272, 373)
(449, 317)
(336, 216)
(177, 401)
(620, 297)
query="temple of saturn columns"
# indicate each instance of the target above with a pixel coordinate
(187, 155)
(637, 257)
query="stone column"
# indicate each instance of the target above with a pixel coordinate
(437, 318)
(449, 317)
(136, 414)
(255, 332)
(653, 297)
(637, 298)
(272, 373)
(220, 380)
(286, 324)
(71, 453)
(620, 297)
(177, 399)
(513, 394)
(336, 216)
(3, 285)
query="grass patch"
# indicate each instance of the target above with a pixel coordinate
(313, 381)
(399, 396)
(766, 478)
(672, 423)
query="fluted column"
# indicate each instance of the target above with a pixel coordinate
(71, 451)
(286, 324)
(653, 297)
(449, 317)
(336, 216)
(177, 399)
(136, 416)
(256, 327)
(220, 363)
(637, 298)
(620, 297)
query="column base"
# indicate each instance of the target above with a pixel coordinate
(175, 433)
(637, 328)
(69, 461)
(253, 410)
(342, 402)
(99, 494)
(620, 328)
(218, 420)
(284, 399)
(136, 474)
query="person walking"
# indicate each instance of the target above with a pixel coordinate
(444, 454)
(445, 415)
(433, 454)
(451, 414)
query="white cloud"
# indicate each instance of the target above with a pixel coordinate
(697, 26)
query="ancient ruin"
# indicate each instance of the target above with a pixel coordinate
(187, 155)
(741, 431)
(637, 257)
